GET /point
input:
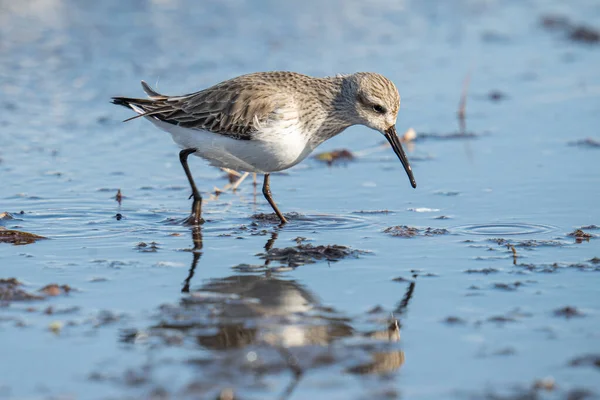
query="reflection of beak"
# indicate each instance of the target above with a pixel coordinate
(392, 137)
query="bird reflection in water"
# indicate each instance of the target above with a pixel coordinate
(279, 323)
(276, 303)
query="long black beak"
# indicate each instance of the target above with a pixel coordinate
(392, 137)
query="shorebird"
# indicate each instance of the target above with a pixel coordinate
(269, 121)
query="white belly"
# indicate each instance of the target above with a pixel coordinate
(272, 150)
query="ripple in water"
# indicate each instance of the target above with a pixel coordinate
(503, 229)
(87, 224)
(260, 222)
(327, 222)
(307, 222)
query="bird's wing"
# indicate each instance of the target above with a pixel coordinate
(235, 108)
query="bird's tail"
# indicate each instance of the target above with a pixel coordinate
(143, 107)
(129, 102)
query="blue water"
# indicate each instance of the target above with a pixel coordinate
(65, 152)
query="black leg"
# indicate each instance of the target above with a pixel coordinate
(267, 193)
(195, 217)
(196, 253)
(269, 246)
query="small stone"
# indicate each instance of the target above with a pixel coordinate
(55, 327)
(548, 384)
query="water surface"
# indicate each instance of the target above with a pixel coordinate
(450, 314)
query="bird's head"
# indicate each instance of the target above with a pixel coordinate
(375, 103)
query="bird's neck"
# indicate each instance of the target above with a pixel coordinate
(330, 117)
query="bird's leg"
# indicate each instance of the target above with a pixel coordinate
(269, 246)
(195, 217)
(196, 253)
(239, 181)
(267, 193)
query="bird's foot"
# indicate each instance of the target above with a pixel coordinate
(193, 220)
(195, 217)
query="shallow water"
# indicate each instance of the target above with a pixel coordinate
(467, 319)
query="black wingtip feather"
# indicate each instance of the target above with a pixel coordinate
(121, 101)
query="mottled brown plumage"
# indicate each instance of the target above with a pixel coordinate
(237, 107)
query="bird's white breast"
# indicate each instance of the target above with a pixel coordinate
(279, 144)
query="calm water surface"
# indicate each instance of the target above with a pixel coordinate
(433, 316)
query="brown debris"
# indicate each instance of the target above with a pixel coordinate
(590, 227)
(574, 32)
(548, 268)
(587, 142)
(372, 212)
(402, 279)
(309, 254)
(568, 312)
(585, 34)
(144, 247)
(509, 287)
(11, 290)
(554, 267)
(454, 321)
(555, 22)
(507, 351)
(591, 360)
(581, 394)
(335, 156)
(501, 319)
(274, 218)
(496, 95)
(54, 289)
(547, 384)
(526, 243)
(580, 235)
(484, 271)
(409, 231)
(18, 237)
(402, 231)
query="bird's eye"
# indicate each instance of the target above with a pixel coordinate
(378, 109)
